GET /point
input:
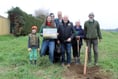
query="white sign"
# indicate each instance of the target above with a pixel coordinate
(50, 33)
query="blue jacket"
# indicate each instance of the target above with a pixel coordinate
(80, 32)
(57, 21)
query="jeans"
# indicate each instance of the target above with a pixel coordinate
(51, 45)
(33, 54)
(66, 47)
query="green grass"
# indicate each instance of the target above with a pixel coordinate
(14, 63)
(109, 52)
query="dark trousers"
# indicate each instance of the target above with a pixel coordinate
(66, 48)
(76, 49)
(93, 42)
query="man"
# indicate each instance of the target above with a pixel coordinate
(92, 34)
(59, 19)
(57, 56)
(66, 34)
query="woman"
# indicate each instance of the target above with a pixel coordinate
(48, 42)
(77, 42)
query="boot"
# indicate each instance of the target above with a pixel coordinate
(63, 64)
(77, 61)
(68, 65)
(89, 60)
(96, 59)
(31, 62)
(89, 57)
(74, 60)
(35, 62)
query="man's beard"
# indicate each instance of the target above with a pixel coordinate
(91, 20)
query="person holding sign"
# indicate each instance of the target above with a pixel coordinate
(66, 33)
(49, 33)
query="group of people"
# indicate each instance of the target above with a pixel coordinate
(68, 36)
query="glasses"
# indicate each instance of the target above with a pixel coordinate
(52, 15)
(91, 15)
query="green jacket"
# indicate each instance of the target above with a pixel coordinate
(92, 30)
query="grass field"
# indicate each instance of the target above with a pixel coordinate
(14, 63)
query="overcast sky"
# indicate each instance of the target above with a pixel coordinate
(105, 11)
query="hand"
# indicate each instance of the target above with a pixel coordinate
(85, 40)
(99, 40)
(29, 49)
(57, 33)
(58, 42)
(78, 37)
(68, 40)
(38, 49)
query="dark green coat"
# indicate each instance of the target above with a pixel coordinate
(92, 30)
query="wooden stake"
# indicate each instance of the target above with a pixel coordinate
(85, 62)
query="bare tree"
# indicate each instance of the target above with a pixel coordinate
(41, 13)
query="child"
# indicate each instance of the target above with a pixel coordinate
(33, 45)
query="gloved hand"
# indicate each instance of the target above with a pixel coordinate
(78, 37)
(29, 49)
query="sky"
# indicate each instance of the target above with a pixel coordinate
(105, 11)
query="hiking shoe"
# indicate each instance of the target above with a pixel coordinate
(34, 62)
(63, 64)
(95, 64)
(89, 64)
(89, 61)
(73, 60)
(68, 65)
(31, 62)
(78, 63)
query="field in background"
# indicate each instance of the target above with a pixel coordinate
(14, 62)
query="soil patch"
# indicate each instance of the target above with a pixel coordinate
(76, 72)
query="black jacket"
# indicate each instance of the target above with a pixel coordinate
(66, 31)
